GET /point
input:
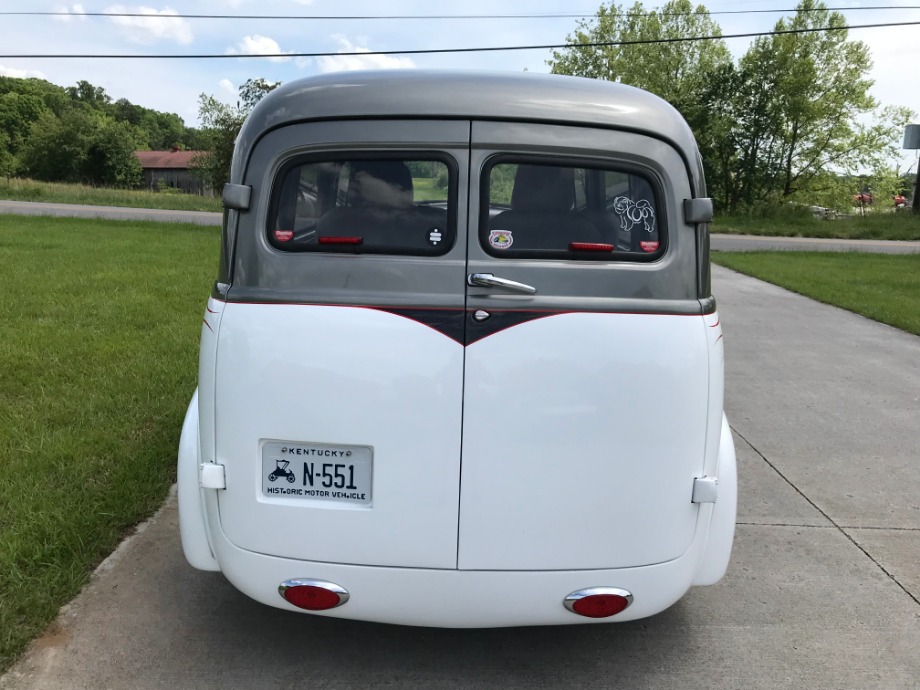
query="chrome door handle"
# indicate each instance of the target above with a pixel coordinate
(490, 281)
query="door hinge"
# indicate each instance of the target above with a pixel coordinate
(211, 476)
(705, 489)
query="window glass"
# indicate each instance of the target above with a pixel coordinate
(573, 212)
(379, 205)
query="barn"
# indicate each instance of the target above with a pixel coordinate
(171, 169)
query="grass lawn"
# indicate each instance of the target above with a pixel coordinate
(881, 286)
(426, 189)
(17, 189)
(902, 225)
(99, 327)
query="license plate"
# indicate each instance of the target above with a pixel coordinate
(317, 471)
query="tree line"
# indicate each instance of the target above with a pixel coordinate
(79, 134)
(791, 120)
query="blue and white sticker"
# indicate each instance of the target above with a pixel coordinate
(501, 239)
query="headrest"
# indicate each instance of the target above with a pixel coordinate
(380, 183)
(543, 188)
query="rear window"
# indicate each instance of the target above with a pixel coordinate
(536, 209)
(391, 205)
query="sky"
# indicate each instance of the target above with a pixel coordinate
(175, 85)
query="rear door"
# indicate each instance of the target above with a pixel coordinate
(340, 355)
(584, 403)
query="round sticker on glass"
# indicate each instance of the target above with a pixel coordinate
(284, 235)
(500, 239)
(649, 246)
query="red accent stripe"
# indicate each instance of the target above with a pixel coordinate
(718, 321)
(205, 322)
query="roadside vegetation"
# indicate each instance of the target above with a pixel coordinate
(16, 189)
(99, 328)
(799, 222)
(880, 286)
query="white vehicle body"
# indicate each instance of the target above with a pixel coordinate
(467, 425)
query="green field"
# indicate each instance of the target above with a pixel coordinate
(16, 189)
(99, 330)
(881, 286)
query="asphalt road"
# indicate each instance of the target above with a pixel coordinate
(823, 590)
(32, 208)
(728, 243)
(748, 243)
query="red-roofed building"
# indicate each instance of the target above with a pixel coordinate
(171, 169)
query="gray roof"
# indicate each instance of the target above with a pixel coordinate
(469, 95)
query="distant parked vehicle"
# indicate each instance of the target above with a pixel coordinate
(863, 199)
(899, 201)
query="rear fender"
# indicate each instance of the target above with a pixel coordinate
(721, 533)
(193, 521)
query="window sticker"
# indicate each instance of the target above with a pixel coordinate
(435, 236)
(284, 235)
(649, 246)
(631, 213)
(500, 239)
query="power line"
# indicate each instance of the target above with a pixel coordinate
(432, 51)
(288, 17)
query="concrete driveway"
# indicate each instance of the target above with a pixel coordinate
(823, 590)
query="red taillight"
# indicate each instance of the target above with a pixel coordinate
(313, 595)
(590, 247)
(341, 240)
(598, 602)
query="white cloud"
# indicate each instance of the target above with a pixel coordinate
(69, 13)
(155, 25)
(21, 73)
(227, 87)
(341, 63)
(258, 45)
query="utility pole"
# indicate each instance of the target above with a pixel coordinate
(915, 205)
(912, 142)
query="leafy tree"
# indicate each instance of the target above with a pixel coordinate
(93, 97)
(220, 125)
(675, 71)
(7, 160)
(802, 102)
(56, 147)
(17, 113)
(681, 72)
(82, 146)
(53, 97)
(110, 159)
(157, 131)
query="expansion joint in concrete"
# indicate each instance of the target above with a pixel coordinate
(833, 522)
